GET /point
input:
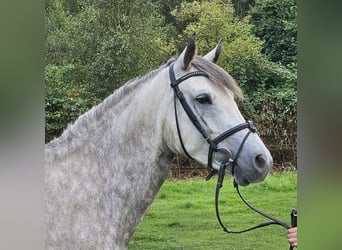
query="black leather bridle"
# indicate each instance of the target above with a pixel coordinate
(227, 159)
(213, 143)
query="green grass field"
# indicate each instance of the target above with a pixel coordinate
(183, 215)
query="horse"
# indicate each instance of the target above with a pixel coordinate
(104, 171)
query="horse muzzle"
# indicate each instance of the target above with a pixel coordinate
(256, 170)
(247, 165)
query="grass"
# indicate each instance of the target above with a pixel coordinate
(183, 215)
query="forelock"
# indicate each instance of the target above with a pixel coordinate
(218, 75)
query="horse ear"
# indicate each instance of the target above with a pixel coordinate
(214, 54)
(187, 55)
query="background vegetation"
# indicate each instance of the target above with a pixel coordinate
(93, 47)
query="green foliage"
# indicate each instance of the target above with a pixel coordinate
(107, 43)
(241, 57)
(275, 23)
(185, 211)
(242, 7)
(63, 102)
(241, 54)
(273, 105)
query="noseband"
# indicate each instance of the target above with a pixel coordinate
(228, 159)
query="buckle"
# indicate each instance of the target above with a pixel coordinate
(251, 126)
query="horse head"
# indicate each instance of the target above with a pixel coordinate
(208, 120)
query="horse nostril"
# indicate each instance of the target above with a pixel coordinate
(260, 161)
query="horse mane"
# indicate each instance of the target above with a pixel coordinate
(125, 89)
(218, 75)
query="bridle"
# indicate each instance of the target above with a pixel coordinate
(228, 159)
(213, 143)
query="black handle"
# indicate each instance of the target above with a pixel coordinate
(293, 220)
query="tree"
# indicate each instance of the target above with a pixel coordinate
(93, 47)
(242, 7)
(275, 23)
(241, 55)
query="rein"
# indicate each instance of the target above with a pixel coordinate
(273, 220)
(214, 149)
(219, 185)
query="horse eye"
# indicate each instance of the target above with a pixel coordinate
(204, 99)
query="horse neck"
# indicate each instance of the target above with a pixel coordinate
(127, 122)
(117, 149)
(134, 124)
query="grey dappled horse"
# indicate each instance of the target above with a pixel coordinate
(104, 171)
